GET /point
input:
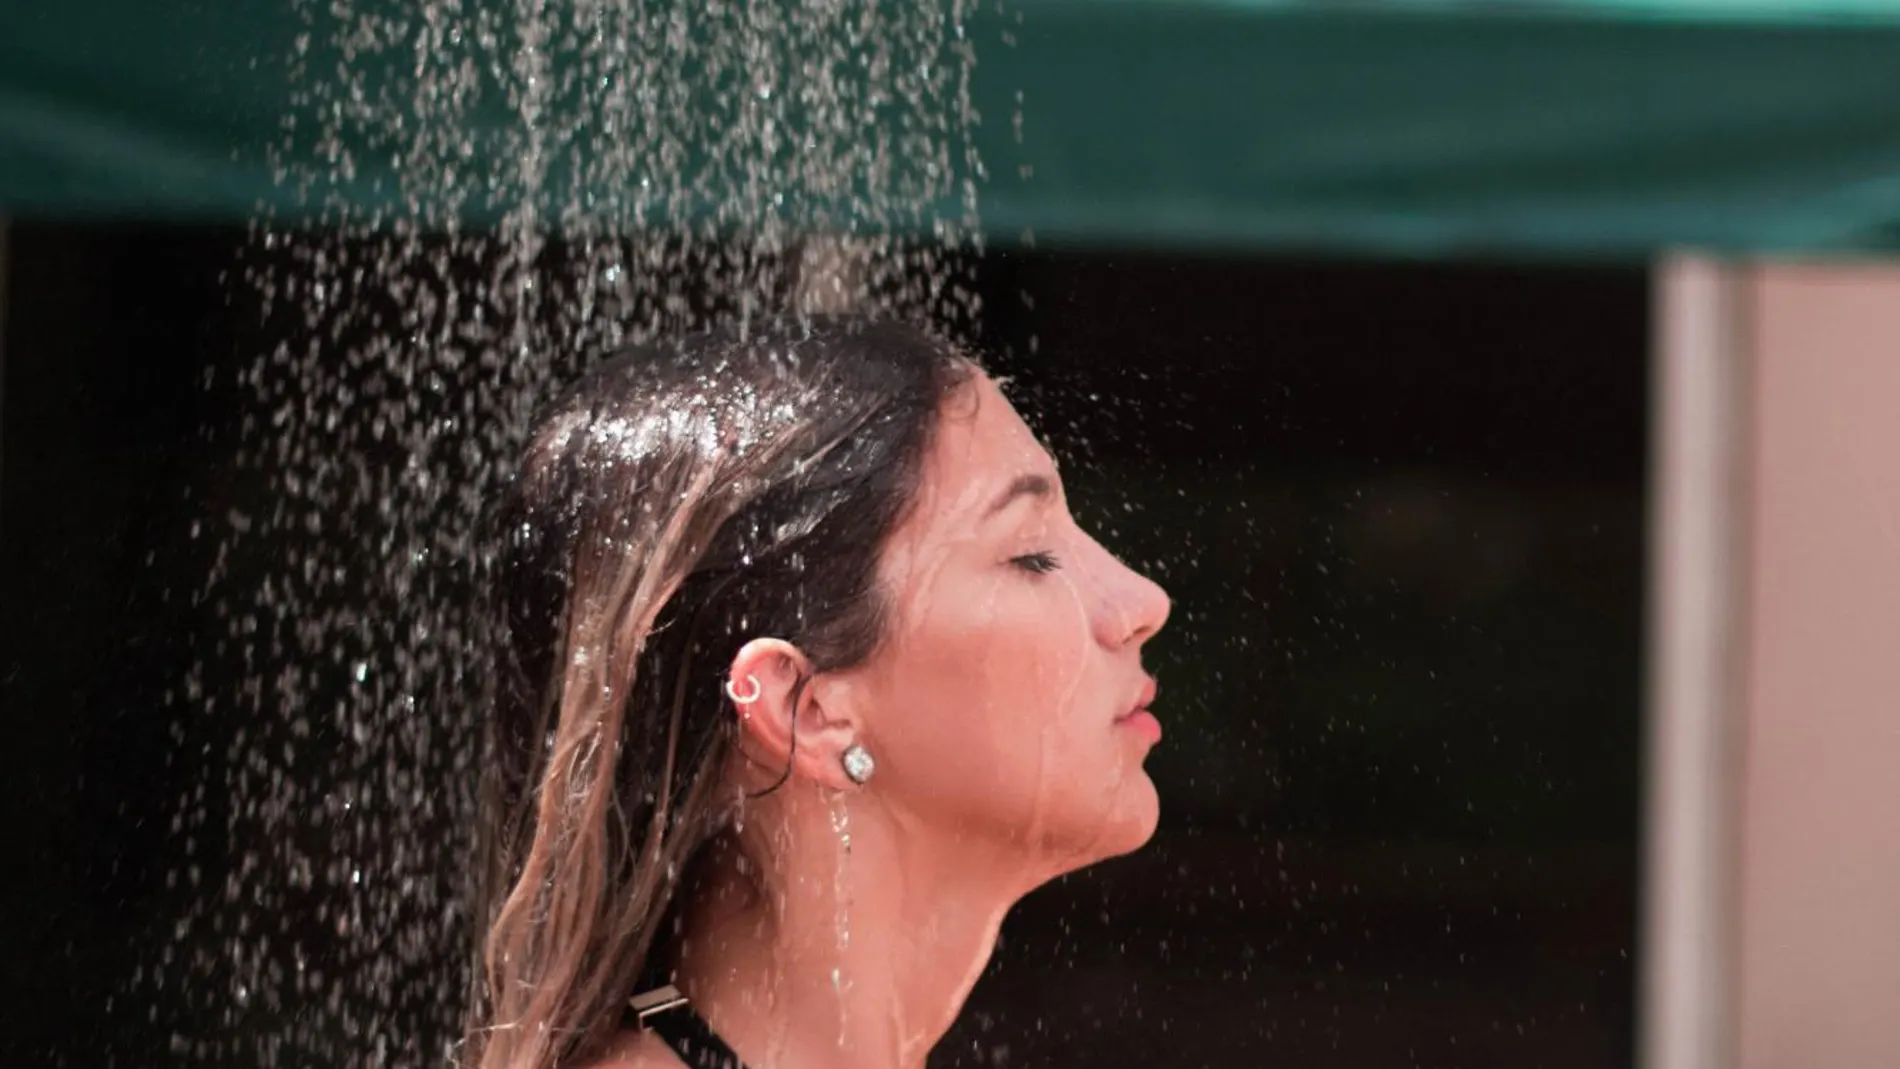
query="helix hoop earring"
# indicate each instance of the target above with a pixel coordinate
(858, 764)
(745, 699)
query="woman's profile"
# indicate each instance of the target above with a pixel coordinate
(805, 675)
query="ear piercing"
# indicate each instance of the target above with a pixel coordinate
(745, 699)
(858, 764)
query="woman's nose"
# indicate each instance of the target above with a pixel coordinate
(1134, 606)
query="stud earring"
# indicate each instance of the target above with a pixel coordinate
(745, 699)
(858, 764)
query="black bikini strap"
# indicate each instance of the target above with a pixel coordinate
(675, 1021)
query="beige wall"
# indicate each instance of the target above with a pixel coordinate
(1818, 912)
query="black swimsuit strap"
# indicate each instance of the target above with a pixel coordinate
(692, 1039)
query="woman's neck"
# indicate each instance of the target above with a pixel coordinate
(864, 948)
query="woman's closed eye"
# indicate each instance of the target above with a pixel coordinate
(1038, 563)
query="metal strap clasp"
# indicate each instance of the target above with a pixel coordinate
(659, 1000)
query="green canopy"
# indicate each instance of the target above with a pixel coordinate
(1595, 129)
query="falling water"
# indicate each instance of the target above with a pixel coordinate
(567, 177)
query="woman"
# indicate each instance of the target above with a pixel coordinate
(807, 675)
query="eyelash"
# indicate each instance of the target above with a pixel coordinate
(1037, 563)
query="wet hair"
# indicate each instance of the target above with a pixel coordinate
(681, 499)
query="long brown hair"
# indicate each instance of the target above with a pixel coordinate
(679, 500)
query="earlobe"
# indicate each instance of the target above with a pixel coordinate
(826, 734)
(831, 747)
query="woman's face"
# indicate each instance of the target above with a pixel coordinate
(1000, 701)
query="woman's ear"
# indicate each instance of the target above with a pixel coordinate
(789, 720)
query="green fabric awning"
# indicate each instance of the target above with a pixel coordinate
(1410, 128)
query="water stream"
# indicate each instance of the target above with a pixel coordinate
(570, 176)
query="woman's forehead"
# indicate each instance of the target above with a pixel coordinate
(981, 446)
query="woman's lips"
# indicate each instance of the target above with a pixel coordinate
(1142, 722)
(1139, 719)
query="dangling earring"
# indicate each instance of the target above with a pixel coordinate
(858, 764)
(743, 700)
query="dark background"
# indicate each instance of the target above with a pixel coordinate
(1399, 508)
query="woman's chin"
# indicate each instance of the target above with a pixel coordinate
(1128, 825)
(1072, 838)
(1142, 814)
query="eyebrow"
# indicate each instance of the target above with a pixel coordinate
(1031, 484)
